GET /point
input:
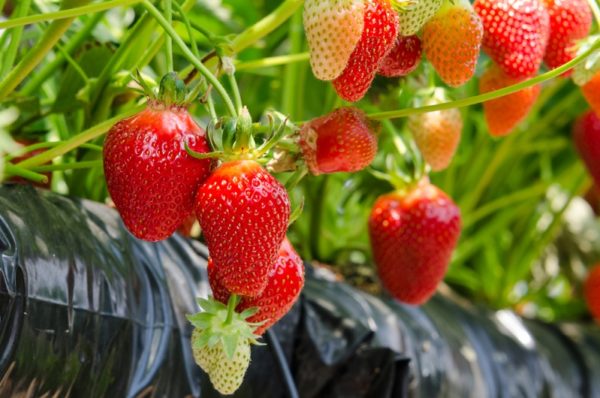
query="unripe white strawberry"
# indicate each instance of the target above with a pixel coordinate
(333, 28)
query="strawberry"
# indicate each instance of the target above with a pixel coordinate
(243, 213)
(333, 28)
(570, 21)
(20, 180)
(344, 140)
(591, 92)
(451, 41)
(286, 279)
(413, 234)
(515, 34)
(437, 133)
(591, 291)
(377, 39)
(403, 58)
(221, 342)
(505, 113)
(149, 175)
(412, 19)
(586, 137)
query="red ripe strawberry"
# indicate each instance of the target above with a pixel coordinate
(243, 212)
(515, 34)
(591, 92)
(20, 180)
(150, 177)
(377, 39)
(437, 133)
(343, 140)
(451, 41)
(403, 58)
(505, 113)
(412, 236)
(591, 291)
(286, 279)
(570, 21)
(333, 28)
(586, 136)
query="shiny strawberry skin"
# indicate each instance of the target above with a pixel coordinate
(404, 57)
(377, 39)
(503, 114)
(342, 141)
(515, 34)
(243, 212)
(591, 92)
(570, 21)
(591, 291)
(586, 137)
(286, 279)
(412, 236)
(451, 42)
(149, 175)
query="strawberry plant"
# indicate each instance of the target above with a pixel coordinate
(403, 143)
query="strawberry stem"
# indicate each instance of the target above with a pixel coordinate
(231, 304)
(169, 41)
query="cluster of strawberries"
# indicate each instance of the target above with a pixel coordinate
(351, 41)
(243, 212)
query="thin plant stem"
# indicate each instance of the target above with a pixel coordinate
(272, 61)
(169, 41)
(15, 39)
(70, 13)
(187, 53)
(15, 170)
(188, 27)
(88, 164)
(237, 97)
(266, 25)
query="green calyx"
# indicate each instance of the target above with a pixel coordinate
(172, 91)
(220, 324)
(239, 138)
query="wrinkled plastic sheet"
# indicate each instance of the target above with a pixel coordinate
(86, 310)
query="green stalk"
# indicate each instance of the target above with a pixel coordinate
(169, 41)
(78, 140)
(231, 304)
(74, 42)
(290, 80)
(13, 170)
(190, 56)
(88, 164)
(272, 61)
(237, 97)
(52, 35)
(266, 25)
(188, 27)
(44, 145)
(15, 39)
(70, 13)
(490, 95)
